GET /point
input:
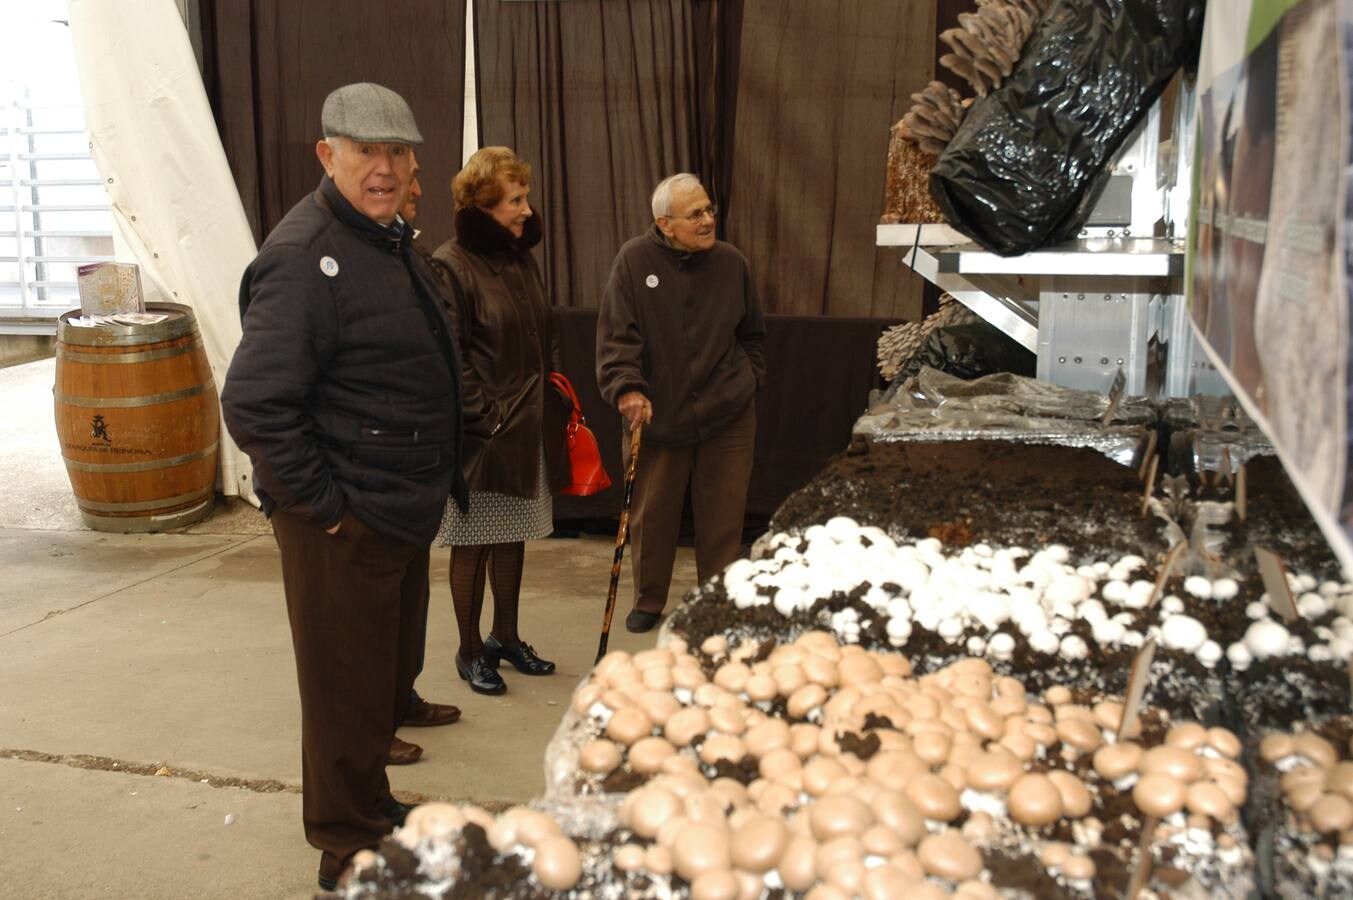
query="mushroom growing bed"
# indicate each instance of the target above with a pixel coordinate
(1040, 559)
(825, 770)
(915, 686)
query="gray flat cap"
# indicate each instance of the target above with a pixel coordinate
(369, 112)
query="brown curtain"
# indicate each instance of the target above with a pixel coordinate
(819, 85)
(719, 95)
(269, 66)
(603, 99)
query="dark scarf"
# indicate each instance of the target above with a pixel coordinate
(480, 233)
(395, 237)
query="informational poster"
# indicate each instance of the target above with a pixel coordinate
(1268, 252)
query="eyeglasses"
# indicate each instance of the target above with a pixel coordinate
(694, 218)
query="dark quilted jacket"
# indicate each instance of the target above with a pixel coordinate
(345, 388)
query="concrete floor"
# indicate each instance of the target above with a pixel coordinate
(149, 723)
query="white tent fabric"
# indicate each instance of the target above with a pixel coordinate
(174, 200)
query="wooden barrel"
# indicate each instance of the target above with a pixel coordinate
(138, 420)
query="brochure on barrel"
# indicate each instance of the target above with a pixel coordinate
(108, 289)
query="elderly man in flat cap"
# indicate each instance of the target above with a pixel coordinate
(345, 393)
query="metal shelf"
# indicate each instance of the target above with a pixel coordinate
(1086, 308)
(1097, 257)
(1111, 300)
(955, 253)
(904, 235)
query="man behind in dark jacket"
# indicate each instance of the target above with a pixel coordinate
(345, 393)
(679, 346)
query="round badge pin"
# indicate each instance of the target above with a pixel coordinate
(329, 266)
(651, 281)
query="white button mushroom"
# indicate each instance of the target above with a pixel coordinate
(1312, 606)
(1183, 633)
(1198, 586)
(1266, 638)
(1074, 647)
(1239, 656)
(1209, 654)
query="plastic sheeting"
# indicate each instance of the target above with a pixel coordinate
(972, 350)
(1029, 161)
(1211, 434)
(935, 406)
(593, 815)
(173, 198)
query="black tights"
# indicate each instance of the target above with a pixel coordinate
(503, 565)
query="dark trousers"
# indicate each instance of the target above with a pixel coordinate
(357, 601)
(718, 471)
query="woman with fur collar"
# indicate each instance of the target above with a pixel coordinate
(514, 452)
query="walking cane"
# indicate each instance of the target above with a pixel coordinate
(620, 536)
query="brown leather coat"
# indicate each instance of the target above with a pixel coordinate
(508, 346)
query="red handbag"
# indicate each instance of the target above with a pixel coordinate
(584, 456)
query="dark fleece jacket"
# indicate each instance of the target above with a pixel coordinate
(685, 329)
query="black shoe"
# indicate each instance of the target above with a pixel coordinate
(483, 677)
(333, 871)
(521, 654)
(395, 811)
(639, 621)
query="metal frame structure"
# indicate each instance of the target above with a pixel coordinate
(1113, 299)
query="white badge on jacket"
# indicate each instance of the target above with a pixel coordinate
(651, 281)
(329, 266)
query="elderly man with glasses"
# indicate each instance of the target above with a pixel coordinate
(680, 350)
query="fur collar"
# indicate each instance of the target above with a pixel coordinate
(479, 232)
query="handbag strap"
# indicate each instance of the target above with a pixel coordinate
(560, 380)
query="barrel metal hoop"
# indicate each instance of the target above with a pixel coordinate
(144, 505)
(182, 322)
(133, 402)
(103, 336)
(148, 524)
(145, 356)
(142, 466)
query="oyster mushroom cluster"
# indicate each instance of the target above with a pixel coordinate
(984, 49)
(936, 113)
(900, 344)
(987, 43)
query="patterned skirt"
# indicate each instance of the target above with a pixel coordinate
(499, 519)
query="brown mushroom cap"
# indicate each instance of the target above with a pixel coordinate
(948, 856)
(1159, 795)
(1034, 800)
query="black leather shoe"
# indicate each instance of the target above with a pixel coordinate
(521, 654)
(326, 878)
(395, 811)
(639, 621)
(482, 676)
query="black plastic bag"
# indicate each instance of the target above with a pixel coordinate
(1029, 161)
(971, 350)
